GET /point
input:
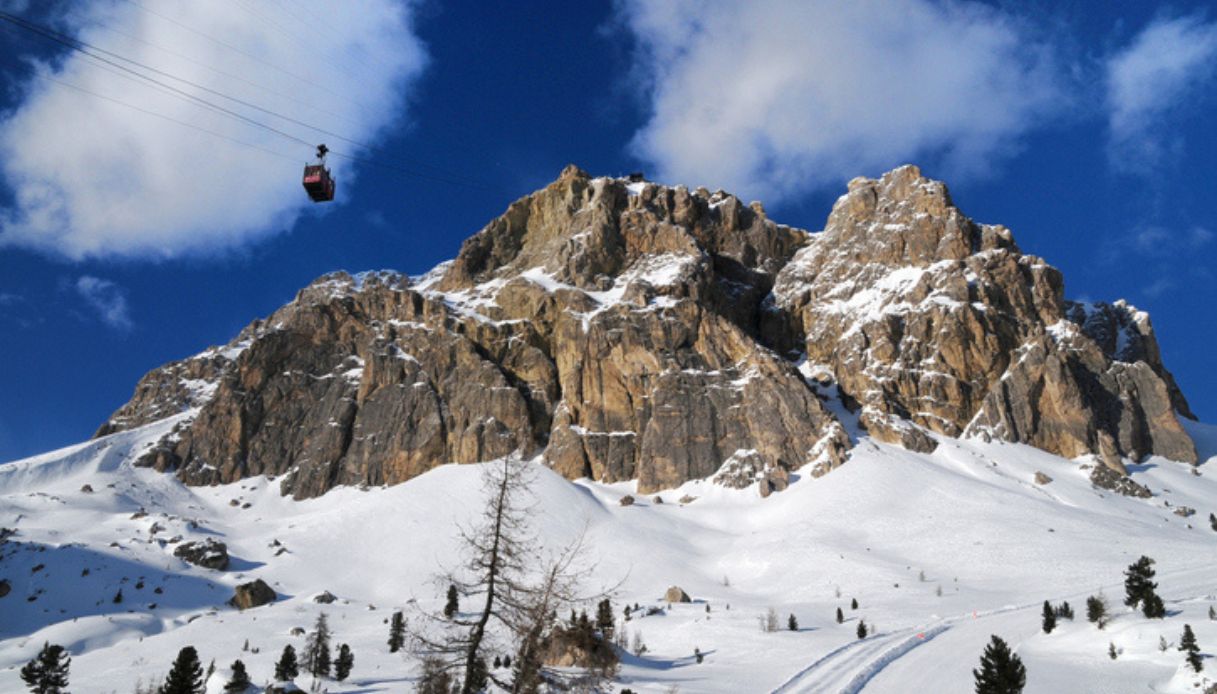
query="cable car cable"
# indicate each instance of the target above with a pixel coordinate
(84, 48)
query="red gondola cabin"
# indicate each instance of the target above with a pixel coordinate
(318, 182)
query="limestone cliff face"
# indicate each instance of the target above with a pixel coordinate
(626, 330)
(924, 316)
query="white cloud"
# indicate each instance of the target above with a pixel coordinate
(777, 97)
(93, 178)
(107, 299)
(1168, 62)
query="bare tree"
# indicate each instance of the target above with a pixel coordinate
(517, 587)
(498, 549)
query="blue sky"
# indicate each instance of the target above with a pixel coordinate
(128, 239)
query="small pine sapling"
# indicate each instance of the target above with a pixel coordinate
(840, 616)
(1187, 644)
(792, 623)
(1049, 621)
(861, 629)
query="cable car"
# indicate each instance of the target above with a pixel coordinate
(318, 182)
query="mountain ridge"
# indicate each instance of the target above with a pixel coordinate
(629, 330)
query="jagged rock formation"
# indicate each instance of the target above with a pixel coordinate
(924, 316)
(636, 331)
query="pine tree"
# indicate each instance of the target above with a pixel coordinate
(840, 616)
(1213, 522)
(853, 603)
(47, 673)
(453, 604)
(397, 632)
(1187, 644)
(1049, 618)
(1212, 613)
(239, 682)
(861, 629)
(1001, 672)
(1096, 610)
(344, 663)
(604, 618)
(1138, 581)
(317, 648)
(118, 597)
(186, 675)
(1111, 650)
(792, 623)
(1064, 611)
(1152, 607)
(287, 668)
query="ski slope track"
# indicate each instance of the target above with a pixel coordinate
(941, 551)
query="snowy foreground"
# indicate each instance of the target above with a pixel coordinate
(968, 517)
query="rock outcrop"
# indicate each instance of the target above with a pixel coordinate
(209, 554)
(254, 594)
(923, 316)
(626, 330)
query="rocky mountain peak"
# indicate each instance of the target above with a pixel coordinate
(627, 330)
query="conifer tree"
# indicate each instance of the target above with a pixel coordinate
(604, 618)
(47, 673)
(1212, 613)
(1049, 618)
(853, 603)
(861, 629)
(1152, 607)
(118, 597)
(186, 675)
(287, 668)
(1138, 581)
(840, 616)
(1064, 611)
(453, 604)
(1111, 650)
(239, 682)
(397, 632)
(1001, 672)
(1096, 610)
(1213, 522)
(343, 663)
(317, 648)
(1187, 644)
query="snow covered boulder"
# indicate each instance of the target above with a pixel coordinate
(254, 594)
(283, 688)
(209, 553)
(325, 597)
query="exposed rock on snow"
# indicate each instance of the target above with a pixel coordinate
(209, 553)
(1104, 477)
(675, 594)
(633, 331)
(255, 594)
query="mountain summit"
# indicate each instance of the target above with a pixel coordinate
(630, 330)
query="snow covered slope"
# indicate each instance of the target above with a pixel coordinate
(940, 550)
